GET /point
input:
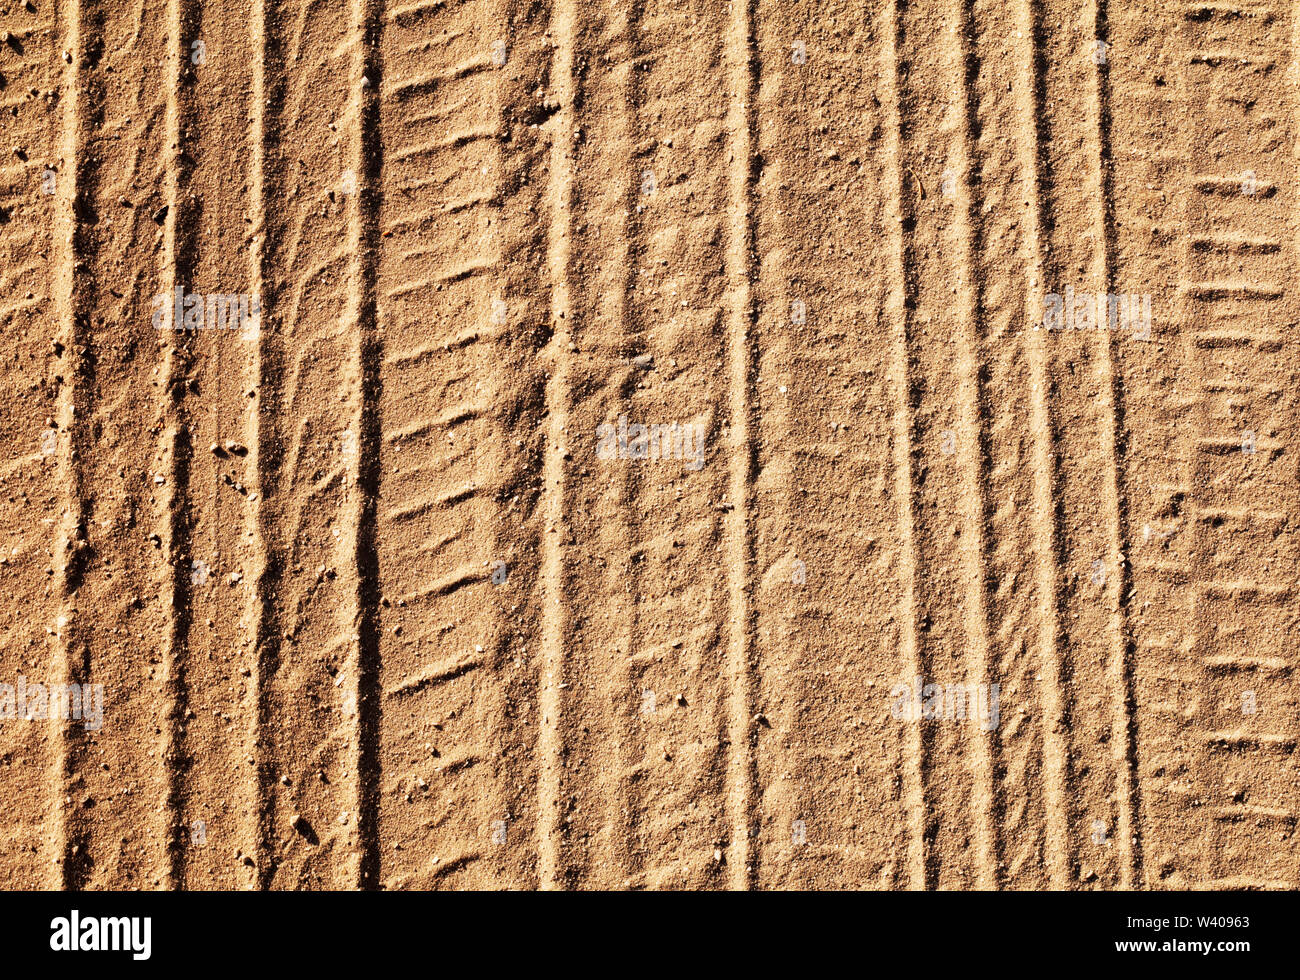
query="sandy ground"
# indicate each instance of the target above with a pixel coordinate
(648, 445)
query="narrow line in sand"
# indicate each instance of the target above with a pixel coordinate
(554, 482)
(738, 543)
(903, 425)
(973, 440)
(360, 616)
(69, 292)
(1052, 687)
(1120, 668)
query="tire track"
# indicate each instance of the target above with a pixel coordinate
(1004, 267)
(40, 479)
(1243, 764)
(604, 734)
(214, 260)
(654, 233)
(826, 548)
(1087, 566)
(685, 824)
(457, 804)
(317, 442)
(1091, 505)
(954, 706)
(112, 564)
(1180, 803)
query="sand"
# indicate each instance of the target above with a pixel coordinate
(666, 445)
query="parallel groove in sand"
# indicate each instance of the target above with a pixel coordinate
(178, 540)
(1032, 493)
(362, 619)
(70, 415)
(738, 545)
(262, 436)
(914, 780)
(973, 440)
(613, 310)
(1120, 667)
(554, 477)
(1055, 752)
(119, 840)
(214, 209)
(467, 825)
(34, 263)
